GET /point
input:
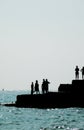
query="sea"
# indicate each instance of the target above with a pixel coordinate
(12, 118)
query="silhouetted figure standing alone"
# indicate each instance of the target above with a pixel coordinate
(47, 85)
(77, 72)
(82, 70)
(43, 86)
(32, 88)
(36, 87)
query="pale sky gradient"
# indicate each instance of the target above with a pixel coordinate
(40, 39)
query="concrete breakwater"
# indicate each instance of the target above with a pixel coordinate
(68, 95)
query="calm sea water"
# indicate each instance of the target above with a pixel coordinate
(12, 118)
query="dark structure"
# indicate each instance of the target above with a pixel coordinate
(68, 95)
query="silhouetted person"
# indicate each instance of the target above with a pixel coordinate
(82, 70)
(77, 72)
(36, 87)
(32, 88)
(43, 86)
(47, 85)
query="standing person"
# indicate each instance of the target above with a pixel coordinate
(47, 85)
(32, 88)
(77, 72)
(43, 86)
(36, 87)
(82, 70)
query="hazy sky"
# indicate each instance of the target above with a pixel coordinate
(40, 39)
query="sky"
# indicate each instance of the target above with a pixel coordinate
(40, 39)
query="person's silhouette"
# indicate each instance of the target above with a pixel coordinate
(82, 70)
(36, 87)
(47, 85)
(32, 88)
(77, 72)
(43, 86)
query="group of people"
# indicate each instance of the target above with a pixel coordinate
(77, 72)
(45, 83)
(44, 87)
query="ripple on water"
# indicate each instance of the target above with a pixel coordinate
(12, 118)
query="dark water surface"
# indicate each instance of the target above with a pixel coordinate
(12, 118)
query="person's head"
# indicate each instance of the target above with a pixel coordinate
(36, 81)
(76, 66)
(43, 80)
